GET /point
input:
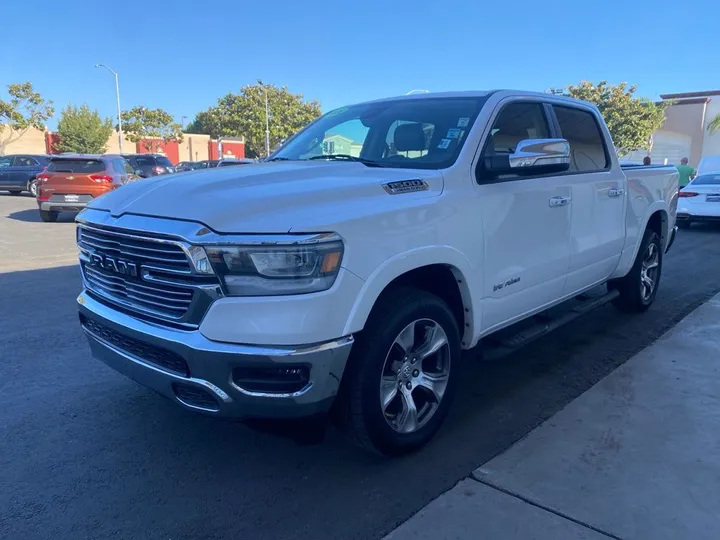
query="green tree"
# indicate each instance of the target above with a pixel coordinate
(243, 115)
(714, 124)
(151, 126)
(631, 120)
(82, 131)
(25, 109)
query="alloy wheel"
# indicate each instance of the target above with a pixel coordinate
(415, 376)
(649, 271)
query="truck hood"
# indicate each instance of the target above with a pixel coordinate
(302, 196)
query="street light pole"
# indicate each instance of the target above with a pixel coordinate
(267, 121)
(117, 95)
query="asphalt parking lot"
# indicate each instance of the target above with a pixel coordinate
(86, 453)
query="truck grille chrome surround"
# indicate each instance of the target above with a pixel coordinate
(145, 275)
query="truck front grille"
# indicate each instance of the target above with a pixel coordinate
(145, 275)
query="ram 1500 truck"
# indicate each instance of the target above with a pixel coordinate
(348, 272)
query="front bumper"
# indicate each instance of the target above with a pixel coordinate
(209, 384)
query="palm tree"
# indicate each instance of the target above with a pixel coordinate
(714, 124)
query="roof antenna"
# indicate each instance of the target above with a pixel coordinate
(419, 91)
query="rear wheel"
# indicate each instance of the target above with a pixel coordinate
(402, 373)
(32, 187)
(48, 216)
(638, 289)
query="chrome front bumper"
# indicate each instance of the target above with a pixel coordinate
(211, 366)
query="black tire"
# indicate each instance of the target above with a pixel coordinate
(48, 217)
(358, 411)
(684, 224)
(15, 192)
(634, 297)
(32, 188)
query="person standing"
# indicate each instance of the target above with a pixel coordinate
(685, 172)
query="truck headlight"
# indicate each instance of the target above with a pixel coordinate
(272, 270)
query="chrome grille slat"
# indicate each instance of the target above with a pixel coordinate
(149, 276)
(94, 244)
(157, 247)
(129, 289)
(186, 294)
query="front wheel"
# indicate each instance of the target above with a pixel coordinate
(402, 373)
(32, 188)
(639, 288)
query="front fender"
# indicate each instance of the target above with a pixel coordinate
(396, 266)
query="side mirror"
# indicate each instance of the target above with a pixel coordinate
(532, 156)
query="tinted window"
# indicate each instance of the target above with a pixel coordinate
(587, 146)
(707, 180)
(24, 161)
(128, 167)
(83, 166)
(5, 162)
(163, 161)
(145, 161)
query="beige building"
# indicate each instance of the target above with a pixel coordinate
(33, 141)
(685, 133)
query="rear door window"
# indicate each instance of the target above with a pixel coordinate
(587, 145)
(25, 161)
(5, 162)
(79, 166)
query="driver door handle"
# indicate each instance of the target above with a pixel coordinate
(559, 201)
(616, 192)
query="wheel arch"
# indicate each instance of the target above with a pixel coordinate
(443, 273)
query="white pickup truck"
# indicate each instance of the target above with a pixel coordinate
(348, 273)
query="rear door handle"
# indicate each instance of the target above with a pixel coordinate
(616, 192)
(559, 201)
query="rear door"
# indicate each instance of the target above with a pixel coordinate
(75, 179)
(526, 221)
(23, 169)
(598, 198)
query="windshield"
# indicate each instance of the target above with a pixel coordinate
(425, 133)
(707, 180)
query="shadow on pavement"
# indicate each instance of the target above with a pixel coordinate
(92, 449)
(33, 216)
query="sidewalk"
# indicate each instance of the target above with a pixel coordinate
(635, 457)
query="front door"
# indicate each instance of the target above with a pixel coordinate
(598, 200)
(526, 222)
(5, 165)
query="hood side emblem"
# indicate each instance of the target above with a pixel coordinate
(405, 186)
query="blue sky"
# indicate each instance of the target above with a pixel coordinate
(183, 55)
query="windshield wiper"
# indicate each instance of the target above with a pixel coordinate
(278, 158)
(347, 157)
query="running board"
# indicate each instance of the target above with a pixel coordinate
(515, 337)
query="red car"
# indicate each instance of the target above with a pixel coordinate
(70, 182)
